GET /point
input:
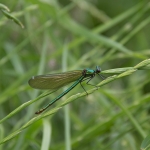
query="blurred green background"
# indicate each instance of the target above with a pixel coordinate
(62, 35)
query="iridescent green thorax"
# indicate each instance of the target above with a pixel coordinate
(90, 71)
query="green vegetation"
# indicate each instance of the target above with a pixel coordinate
(41, 37)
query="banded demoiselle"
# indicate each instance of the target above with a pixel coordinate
(56, 81)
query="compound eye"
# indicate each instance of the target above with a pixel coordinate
(98, 69)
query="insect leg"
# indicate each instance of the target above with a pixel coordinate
(101, 76)
(82, 85)
(83, 88)
(90, 80)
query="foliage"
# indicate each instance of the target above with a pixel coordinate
(68, 35)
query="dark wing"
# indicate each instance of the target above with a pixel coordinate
(54, 81)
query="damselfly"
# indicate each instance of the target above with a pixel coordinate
(56, 81)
